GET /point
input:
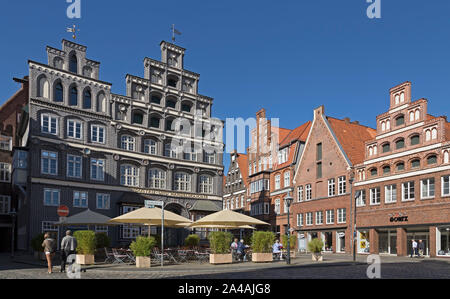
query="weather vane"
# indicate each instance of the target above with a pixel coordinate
(174, 32)
(74, 31)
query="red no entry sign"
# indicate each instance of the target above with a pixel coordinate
(63, 211)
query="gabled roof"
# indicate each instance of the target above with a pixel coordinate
(242, 160)
(299, 133)
(282, 133)
(352, 138)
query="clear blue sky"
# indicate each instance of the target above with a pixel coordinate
(286, 56)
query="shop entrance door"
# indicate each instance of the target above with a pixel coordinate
(424, 236)
(340, 242)
(388, 242)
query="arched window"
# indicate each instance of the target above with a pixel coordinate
(400, 166)
(373, 172)
(155, 122)
(73, 64)
(186, 107)
(432, 160)
(386, 169)
(43, 88)
(446, 157)
(172, 81)
(434, 134)
(402, 97)
(375, 150)
(128, 143)
(400, 120)
(73, 96)
(150, 147)
(411, 116)
(129, 176)
(101, 103)
(427, 135)
(415, 163)
(277, 206)
(399, 144)
(388, 125)
(87, 99)
(170, 151)
(137, 118)
(157, 179)
(171, 103)
(397, 99)
(59, 93)
(415, 140)
(386, 147)
(182, 182)
(417, 114)
(156, 99)
(206, 185)
(383, 126)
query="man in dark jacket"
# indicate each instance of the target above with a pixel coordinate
(68, 247)
(421, 248)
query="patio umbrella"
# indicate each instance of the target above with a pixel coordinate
(88, 218)
(151, 217)
(227, 218)
(218, 226)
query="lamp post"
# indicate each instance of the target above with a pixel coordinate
(13, 215)
(288, 200)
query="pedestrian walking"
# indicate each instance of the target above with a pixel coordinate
(49, 246)
(414, 248)
(68, 247)
(421, 247)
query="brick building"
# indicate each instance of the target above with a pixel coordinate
(11, 113)
(236, 184)
(404, 180)
(323, 180)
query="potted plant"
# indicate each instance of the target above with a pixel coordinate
(220, 246)
(36, 245)
(86, 247)
(142, 248)
(316, 246)
(101, 241)
(192, 241)
(262, 243)
(292, 243)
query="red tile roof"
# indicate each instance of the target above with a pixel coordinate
(301, 133)
(352, 137)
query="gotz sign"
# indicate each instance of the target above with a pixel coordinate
(398, 218)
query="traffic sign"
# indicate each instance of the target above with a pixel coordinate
(152, 203)
(63, 211)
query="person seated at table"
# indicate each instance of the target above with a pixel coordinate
(241, 250)
(276, 248)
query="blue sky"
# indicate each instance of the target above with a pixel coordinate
(286, 56)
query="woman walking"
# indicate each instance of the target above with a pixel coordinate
(49, 245)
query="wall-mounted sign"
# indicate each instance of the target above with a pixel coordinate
(398, 217)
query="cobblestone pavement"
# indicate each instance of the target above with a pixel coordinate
(334, 267)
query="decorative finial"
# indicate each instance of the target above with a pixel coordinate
(74, 31)
(174, 32)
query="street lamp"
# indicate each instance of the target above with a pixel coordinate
(288, 200)
(13, 215)
(357, 195)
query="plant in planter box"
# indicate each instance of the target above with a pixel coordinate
(192, 241)
(220, 246)
(142, 249)
(316, 246)
(262, 243)
(36, 245)
(102, 240)
(292, 241)
(86, 247)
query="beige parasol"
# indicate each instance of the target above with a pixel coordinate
(228, 219)
(151, 217)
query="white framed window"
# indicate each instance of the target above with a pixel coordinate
(49, 226)
(390, 194)
(207, 186)
(446, 157)
(80, 199)
(49, 163)
(331, 187)
(427, 188)
(375, 198)
(342, 216)
(309, 218)
(97, 169)
(49, 124)
(97, 134)
(287, 179)
(128, 143)
(319, 218)
(342, 185)
(277, 182)
(5, 143)
(150, 147)
(74, 166)
(129, 231)
(300, 193)
(237, 202)
(129, 175)
(299, 220)
(232, 204)
(408, 191)
(5, 172)
(308, 190)
(445, 185)
(210, 158)
(361, 200)
(330, 217)
(103, 201)
(157, 179)
(260, 165)
(182, 182)
(74, 129)
(277, 207)
(5, 204)
(51, 197)
(170, 151)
